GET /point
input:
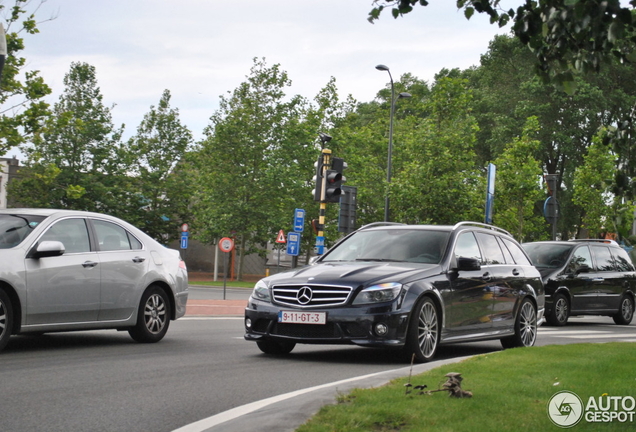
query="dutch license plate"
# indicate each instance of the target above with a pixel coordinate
(294, 317)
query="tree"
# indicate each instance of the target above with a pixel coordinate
(518, 186)
(78, 154)
(566, 36)
(162, 184)
(22, 110)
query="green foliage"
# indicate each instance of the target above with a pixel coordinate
(518, 187)
(22, 111)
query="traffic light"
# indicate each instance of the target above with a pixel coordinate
(334, 180)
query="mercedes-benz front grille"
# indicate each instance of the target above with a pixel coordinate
(311, 295)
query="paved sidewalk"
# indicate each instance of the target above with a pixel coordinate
(215, 307)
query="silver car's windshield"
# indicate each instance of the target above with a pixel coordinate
(391, 245)
(14, 228)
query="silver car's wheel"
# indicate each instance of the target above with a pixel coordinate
(525, 327)
(626, 312)
(424, 331)
(153, 317)
(6, 319)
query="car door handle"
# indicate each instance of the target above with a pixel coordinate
(86, 264)
(515, 272)
(487, 276)
(138, 259)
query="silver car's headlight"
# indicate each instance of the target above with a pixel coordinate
(261, 292)
(378, 293)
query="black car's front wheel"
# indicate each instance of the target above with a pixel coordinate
(153, 316)
(275, 347)
(424, 331)
(560, 312)
(525, 327)
(625, 312)
(6, 319)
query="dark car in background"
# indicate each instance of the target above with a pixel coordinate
(410, 287)
(64, 270)
(585, 277)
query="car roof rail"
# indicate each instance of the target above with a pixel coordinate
(374, 224)
(606, 241)
(481, 225)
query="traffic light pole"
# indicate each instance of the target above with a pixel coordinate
(320, 238)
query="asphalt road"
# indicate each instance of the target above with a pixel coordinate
(103, 381)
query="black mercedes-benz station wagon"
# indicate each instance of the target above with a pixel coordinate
(585, 277)
(410, 287)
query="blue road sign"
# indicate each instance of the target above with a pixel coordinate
(320, 245)
(184, 240)
(299, 220)
(293, 244)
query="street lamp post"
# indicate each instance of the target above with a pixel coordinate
(381, 67)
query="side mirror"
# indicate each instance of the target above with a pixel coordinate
(47, 249)
(583, 268)
(468, 264)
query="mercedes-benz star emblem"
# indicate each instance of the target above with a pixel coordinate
(304, 295)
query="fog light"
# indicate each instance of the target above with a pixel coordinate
(381, 329)
(248, 323)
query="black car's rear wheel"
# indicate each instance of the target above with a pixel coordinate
(560, 312)
(625, 312)
(6, 319)
(424, 331)
(153, 316)
(525, 327)
(275, 347)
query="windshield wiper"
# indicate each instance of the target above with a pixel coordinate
(378, 259)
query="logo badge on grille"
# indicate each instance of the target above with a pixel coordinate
(304, 295)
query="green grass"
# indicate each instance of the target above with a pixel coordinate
(219, 283)
(510, 389)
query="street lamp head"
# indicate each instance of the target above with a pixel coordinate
(404, 95)
(381, 67)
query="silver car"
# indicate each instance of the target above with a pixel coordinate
(64, 270)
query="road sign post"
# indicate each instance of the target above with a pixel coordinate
(226, 245)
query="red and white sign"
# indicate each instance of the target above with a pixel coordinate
(184, 227)
(226, 244)
(281, 237)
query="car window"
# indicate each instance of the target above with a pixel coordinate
(546, 255)
(14, 228)
(517, 253)
(407, 245)
(506, 252)
(622, 260)
(467, 247)
(580, 257)
(73, 234)
(111, 237)
(604, 260)
(492, 251)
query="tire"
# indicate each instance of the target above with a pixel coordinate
(6, 319)
(560, 312)
(153, 317)
(275, 347)
(423, 334)
(525, 327)
(625, 312)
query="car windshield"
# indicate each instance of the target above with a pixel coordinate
(391, 245)
(546, 255)
(14, 228)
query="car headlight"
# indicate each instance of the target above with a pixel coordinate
(261, 292)
(378, 293)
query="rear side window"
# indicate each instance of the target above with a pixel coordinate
(581, 257)
(492, 251)
(621, 258)
(517, 253)
(604, 260)
(112, 237)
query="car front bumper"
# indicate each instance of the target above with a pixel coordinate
(361, 325)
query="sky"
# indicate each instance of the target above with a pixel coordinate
(202, 49)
